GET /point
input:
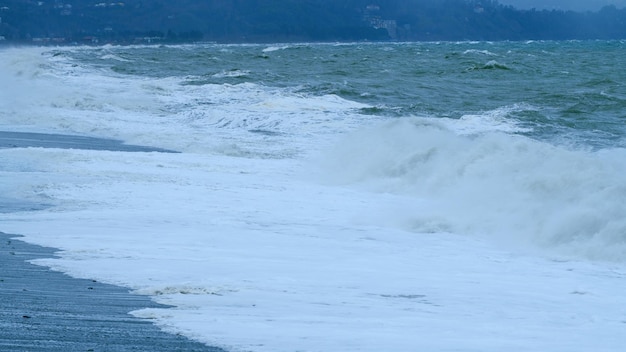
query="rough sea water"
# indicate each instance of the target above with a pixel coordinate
(336, 197)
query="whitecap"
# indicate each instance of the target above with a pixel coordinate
(114, 57)
(482, 52)
(275, 48)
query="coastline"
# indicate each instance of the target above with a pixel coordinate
(44, 310)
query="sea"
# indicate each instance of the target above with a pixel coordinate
(435, 196)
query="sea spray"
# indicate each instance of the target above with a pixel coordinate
(504, 186)
(239, 216)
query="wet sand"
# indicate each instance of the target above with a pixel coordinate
(43, 310)
(46, 140)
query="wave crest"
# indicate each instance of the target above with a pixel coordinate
(506, 187)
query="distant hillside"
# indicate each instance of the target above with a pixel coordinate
(130, 21)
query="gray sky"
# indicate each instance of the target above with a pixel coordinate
(575, 5)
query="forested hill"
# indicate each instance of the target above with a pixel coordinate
(131, 21)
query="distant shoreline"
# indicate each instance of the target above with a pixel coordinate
(185, 21)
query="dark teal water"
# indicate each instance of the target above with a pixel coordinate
(564, 92)
(516, 144)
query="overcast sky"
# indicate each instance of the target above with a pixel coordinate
(575, 5)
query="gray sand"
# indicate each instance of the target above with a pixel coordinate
(43, 310)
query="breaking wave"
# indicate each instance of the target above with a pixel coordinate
(507, 187)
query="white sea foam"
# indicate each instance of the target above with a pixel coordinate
(232, 74)
(383, 242)
(497, 185)
(499, 119)
(160, 110)
(270, 49)
(482, 52)
(239, 244)
(114, 57)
